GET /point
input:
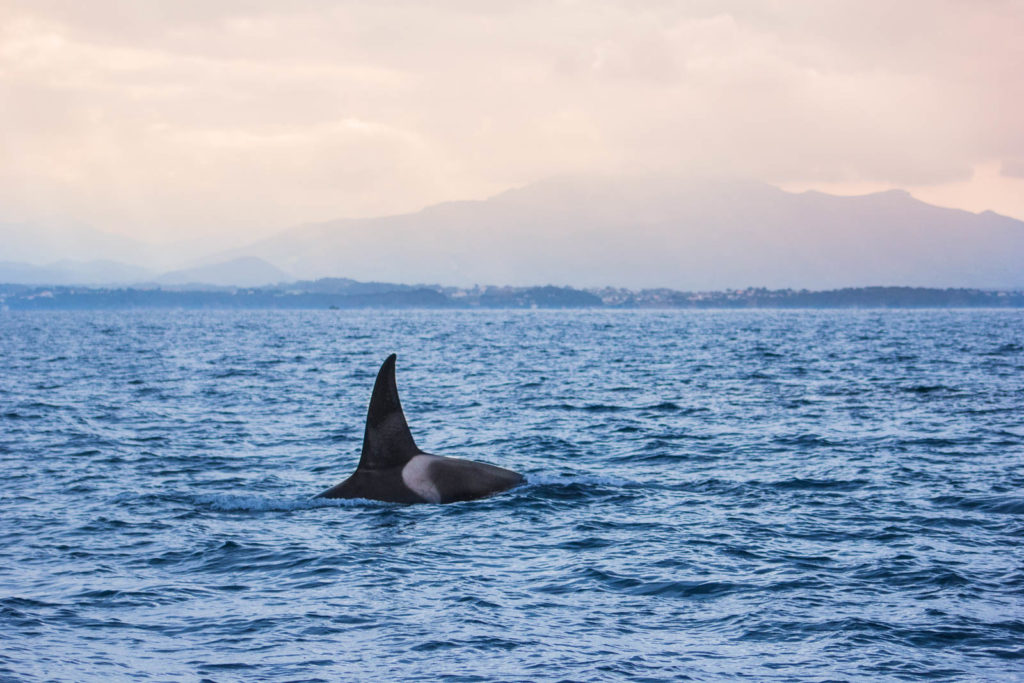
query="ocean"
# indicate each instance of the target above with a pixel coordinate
(711, 495)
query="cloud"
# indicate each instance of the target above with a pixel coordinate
(1013, 168)
(165, 118)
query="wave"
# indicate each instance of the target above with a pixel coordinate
(255, 502)
(928, 389)
(1006, 505)
(232, 502)
(579, 480)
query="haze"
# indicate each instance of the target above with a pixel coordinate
(222, 123)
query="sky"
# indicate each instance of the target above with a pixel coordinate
(232, 120)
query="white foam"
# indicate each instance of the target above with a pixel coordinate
(228, 502)
(582, 479)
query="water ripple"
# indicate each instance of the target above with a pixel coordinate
(756, 495)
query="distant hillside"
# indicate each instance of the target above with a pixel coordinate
(247, 271)
(690, 235)
(240, 272)
(693, 235)
(348, 294)
(68, 272)
(49, 244)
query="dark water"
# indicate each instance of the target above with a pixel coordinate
(757, 495)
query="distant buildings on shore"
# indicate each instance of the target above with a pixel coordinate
(338, 293)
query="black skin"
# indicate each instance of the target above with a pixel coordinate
(385, 485)
(388, 447)
(456, 480)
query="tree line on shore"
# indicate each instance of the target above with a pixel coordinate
(341, 293)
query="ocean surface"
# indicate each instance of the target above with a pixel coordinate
(800, 495)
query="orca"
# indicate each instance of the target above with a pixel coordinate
(393, 469)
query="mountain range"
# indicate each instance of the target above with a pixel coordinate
(640, 233)
(245, 271)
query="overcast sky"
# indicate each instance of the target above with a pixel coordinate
(165, 120)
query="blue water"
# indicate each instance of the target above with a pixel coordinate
(711, 495)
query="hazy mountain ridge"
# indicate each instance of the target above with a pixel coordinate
(52, 244)
(692, 235)
(66, 272)
(245, 271)
(241, 272)
(595, 232)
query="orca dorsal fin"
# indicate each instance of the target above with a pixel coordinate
(387, 441)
